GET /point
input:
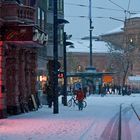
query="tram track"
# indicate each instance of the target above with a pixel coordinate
(120, 120)
(125, 113)
(114, 130)
(118, 128)
(137, 115)
(84, 136)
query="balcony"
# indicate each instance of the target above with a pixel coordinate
(1, 20)
(12, 12)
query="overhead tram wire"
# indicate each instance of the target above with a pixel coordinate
(98, 17)
(97, 7)
(128, 7)
(116, 5)
(125, 11)
(103, 8)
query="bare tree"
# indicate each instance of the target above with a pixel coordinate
(122, 60)
(72, 62)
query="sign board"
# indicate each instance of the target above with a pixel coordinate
(18, 33)
(24, 33)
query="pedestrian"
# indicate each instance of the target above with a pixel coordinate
(49, 92)
(85, 91)
(103, 91)
(80, 98)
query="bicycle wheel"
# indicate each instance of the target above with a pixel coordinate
(84, 104)
(69, 103)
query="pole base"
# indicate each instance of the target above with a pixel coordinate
(3, 114)
(90, 69)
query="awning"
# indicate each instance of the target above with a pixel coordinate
(88, 74)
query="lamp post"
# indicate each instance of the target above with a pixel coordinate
(55, 58)
(65, 44)
(90, 68)
(56, 22)
(90, 32)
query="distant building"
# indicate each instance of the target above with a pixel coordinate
(78, 58)
(127, 34)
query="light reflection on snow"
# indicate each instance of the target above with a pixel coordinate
(70, 123)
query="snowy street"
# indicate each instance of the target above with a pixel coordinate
(98, 121)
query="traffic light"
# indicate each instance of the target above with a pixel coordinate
(50, 67)
(60, 74)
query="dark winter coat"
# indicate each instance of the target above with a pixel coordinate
(79, 95)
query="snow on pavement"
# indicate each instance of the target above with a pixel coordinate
(69, 124)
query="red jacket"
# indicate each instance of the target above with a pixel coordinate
(79, 95)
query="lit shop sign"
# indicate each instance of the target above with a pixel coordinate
(40, 37)
(61, 75)
(17, 33)
(25, 33)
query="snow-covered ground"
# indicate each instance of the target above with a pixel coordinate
(95, 122)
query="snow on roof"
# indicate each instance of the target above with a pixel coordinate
(120, 28)
(116, 30)
(134, 78)
(135, 16)
(83, 46)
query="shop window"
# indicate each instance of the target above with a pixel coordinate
(38, 16)
(41, 18)
(60, 5)
(49, 4)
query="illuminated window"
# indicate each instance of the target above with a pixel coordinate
(60, 5)
(41, 18)
(38, 16)
(49, 4)
(79, 68)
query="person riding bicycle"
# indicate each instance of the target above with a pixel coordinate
(80, 98)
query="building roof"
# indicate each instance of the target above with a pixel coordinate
(134, 78)
(135, 16)
(83, 46)
(116, 30)
(120, 28)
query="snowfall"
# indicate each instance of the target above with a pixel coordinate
(98, 121)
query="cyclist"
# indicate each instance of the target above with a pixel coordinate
(80, 98)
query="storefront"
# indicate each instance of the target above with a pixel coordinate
(18, 66)
(93, 80)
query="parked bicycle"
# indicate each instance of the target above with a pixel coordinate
(72, 102)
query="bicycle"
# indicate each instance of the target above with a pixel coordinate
(73, 101)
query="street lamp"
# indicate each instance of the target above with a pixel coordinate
(56, 22)
(91, 68)
(90, 32)
(55, 58)
(65, 44)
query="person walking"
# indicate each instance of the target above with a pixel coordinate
(80, 98)
(49, 92)
(85, 91)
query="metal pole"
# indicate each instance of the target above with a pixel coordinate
(90, 32)
(65, 70)
(55, 58)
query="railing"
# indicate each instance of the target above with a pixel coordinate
(25, 12)
(0, 14)
(18, 13)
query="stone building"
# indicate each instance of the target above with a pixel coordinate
(127, 35)
(26, 46)
(78, 59)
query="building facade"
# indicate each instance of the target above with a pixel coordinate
(128, 36)
(26, 45)
(78, 59)
(45, 55)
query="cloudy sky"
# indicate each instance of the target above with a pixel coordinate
(101, 11)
